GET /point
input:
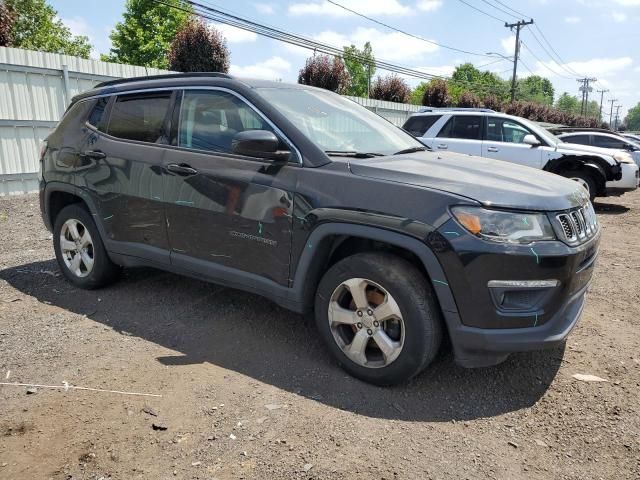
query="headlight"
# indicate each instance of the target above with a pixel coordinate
(503, 226)
(623, 157)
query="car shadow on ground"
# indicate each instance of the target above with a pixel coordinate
(250, 335)
(610, 208)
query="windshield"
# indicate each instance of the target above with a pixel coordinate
(541, 132)
(337, 124)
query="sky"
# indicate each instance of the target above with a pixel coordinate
(594, 38)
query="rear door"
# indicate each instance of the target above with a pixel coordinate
(418, 125)
(462, 134)
(122, 170)
(225, 210)
(503, 140)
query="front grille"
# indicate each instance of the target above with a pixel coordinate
(579, 225)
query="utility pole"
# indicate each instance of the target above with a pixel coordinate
(585, 89)
(601, 92)
(618, 107)
(518, 25)
(613, 100)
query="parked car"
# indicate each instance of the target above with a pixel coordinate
(632, 136)
(312, 201)
(513, 139)
(603, 140)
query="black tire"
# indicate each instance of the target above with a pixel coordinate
(585, 177)
(415, 298)
(103, 271)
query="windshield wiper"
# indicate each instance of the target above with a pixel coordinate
(411, 150)
(347, 153)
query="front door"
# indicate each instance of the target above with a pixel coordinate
(225, 211)
(504, 141)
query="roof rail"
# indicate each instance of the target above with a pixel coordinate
(162, 77)
(455, 109)
(582, 129)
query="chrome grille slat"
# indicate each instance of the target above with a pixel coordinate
(578, 225)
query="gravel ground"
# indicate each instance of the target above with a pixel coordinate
(248, 391)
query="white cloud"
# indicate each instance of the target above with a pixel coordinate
(572, 19)
(367, 7)
(271, 69)
(509, 44)
(264, 8)
(598, 67)
(628, 3)
(429, 5)
(392, 46)
(235, 34)
(619, 17)
(79, 26)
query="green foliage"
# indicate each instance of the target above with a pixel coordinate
(325, 72)
(146, 31)
(535, 89)
(391, 88)
(417, 93)
(467, 77)
(199, 48)
(436, 94)
(361, 67)
(36, 26)
(568, 104)
(632, 120)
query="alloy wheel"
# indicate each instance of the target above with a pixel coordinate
(76, 247)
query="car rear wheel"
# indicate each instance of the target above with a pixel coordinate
(79, 249)
(379, 317)
(585, 180)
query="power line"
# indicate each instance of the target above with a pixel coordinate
(404, 32)
(555, 51)
(521, 15)
(500, 9)
(570, 72)
(518, 25)
(482, 11)
(543, 63)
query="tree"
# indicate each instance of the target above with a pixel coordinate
(144, 35)
(199, 48)
(568, 104)
(326, 72)
(417, 94)
(493, 102)
(467, 77)
(469, 100)
(391, 88)
(632, 120)
(36, 26)
(361, 66)
(535, 89)
(436, 94)
(7, 19)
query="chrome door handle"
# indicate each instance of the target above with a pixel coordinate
(182, 169)
(95, 154)
(442, 146)
(492, 149)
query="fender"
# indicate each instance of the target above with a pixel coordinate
(596, 164)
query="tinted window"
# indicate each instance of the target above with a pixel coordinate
(210, 119)
(462, 126)
(580, 139)
(96, 116)
(418, 125)
(504, 130)
(140, 117)
(609, 142)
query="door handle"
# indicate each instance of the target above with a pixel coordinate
(442, 146)
(95, 154)
(181, 169)
(492, 149)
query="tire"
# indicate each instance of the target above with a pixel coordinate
(88, 247)
(585, 179)
(391, 284)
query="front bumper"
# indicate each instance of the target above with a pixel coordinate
(629, 181)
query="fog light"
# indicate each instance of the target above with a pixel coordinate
(521, 296)
(523, 283)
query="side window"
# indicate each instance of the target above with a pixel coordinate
(608, 142)
(580, 139)
(503, 130)
(419, 124)
(210, 119)
(462, 126)
(140, 117)
(96, 117)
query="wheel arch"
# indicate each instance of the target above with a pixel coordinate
(58, 195)
(597, 167)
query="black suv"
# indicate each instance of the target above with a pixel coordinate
(309, 199)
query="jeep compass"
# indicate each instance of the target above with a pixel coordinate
(306, 198)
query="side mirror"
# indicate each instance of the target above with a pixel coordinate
(259, 144)
(531, 140)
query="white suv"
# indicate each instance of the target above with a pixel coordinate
(485, 133)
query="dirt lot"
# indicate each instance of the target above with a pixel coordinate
(248, 391)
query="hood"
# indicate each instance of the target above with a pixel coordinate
(576, 147)
(490, 182)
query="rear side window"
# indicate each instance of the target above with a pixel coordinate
(418, 125)
(608, 142)
(462, 126)
(140, 117)
(580, 139)
(97, 117)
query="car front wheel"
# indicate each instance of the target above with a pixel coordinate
(379, 317)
